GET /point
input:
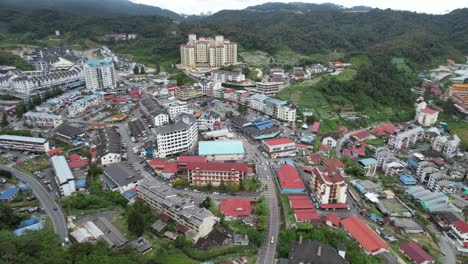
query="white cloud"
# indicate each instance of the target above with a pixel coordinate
(197, 6)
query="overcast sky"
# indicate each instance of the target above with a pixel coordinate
(197, 6)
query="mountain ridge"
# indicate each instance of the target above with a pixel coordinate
(105, 8)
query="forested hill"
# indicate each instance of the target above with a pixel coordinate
(299, 6)
(90, 7)
(419, 37)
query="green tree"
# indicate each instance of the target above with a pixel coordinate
(4, 120)
(206, 203)
(180, 80)
(142, 70)
(136, 219)
(136, 70)
(158, 68)
(20, 109)
(8, 218)
(222, 185)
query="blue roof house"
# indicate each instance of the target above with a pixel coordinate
(9, 194)
(406, 179)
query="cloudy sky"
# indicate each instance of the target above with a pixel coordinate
(197, 6)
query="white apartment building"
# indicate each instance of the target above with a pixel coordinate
(42, 120)
(155, 113)
(63, 175)
(368, 166)
(109, 148)
(82, 105)
(459, 231)
(425, 116)
(227, 76)
(174, 107)
(26, 84)
(162, 200)
(287, 112)
(257, 102)
(207, 120)
(179, 136)
(446, 145)
(100, 74)
(267, 88)
(329, 186)
(24, 143)
(404, 139)
(207, 52)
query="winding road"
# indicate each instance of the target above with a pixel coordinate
(47, 200)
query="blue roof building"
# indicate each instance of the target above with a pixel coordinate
(9, 194)
(80, 183)
(263, 124)
(99, 63)
(307, 139)
(221, 149)
(130, 194)
(28, 222)
(411, 163)
(21, 231)
(406, 179)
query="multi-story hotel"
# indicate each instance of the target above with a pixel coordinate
(42, 120)
(193, 221)
(82, 105)
(100, 74)
(201, 174)
(405, 139)
(207, 52)
(227, 76)
(459, 94)
(179, 136)
(24, 143)
(329, 186)
(279, 147)
(27, 84)
(267, 88)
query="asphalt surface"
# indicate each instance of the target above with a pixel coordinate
(47, 200)
(267, 252)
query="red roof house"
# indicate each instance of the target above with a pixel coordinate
(186, 159)
(54, 151)
(315, 127)
(234, 208)
(368, 239)
(332, 220)
(415, 253)
(157, 164)
(277, 141)
(307, 215)
(385, 129)
(342, 128)
(289, 179)
(461, 226)
(300, 202)
(361, 135)
(315, 158)
(429, 111)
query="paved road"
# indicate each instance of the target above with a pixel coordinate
(445, 245)
(46, 199)
(267, 252)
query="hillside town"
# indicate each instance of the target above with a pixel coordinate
(222, 164)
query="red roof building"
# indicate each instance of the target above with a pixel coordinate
(171, 167)
(332, 220)
(415, 253)
(234, 208)
(342, 128)
(186, 159)
(333, 163)
(385, 129)
(361, 135)
(315, 127)
(157, 164)
(54, 151)
(329, 185)
(315, 159)
(200, 173)
(307, 215)
(300, 202)
(279, 147)
(429, 111)
(368, 239)
(277, 141)
(289, 179)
